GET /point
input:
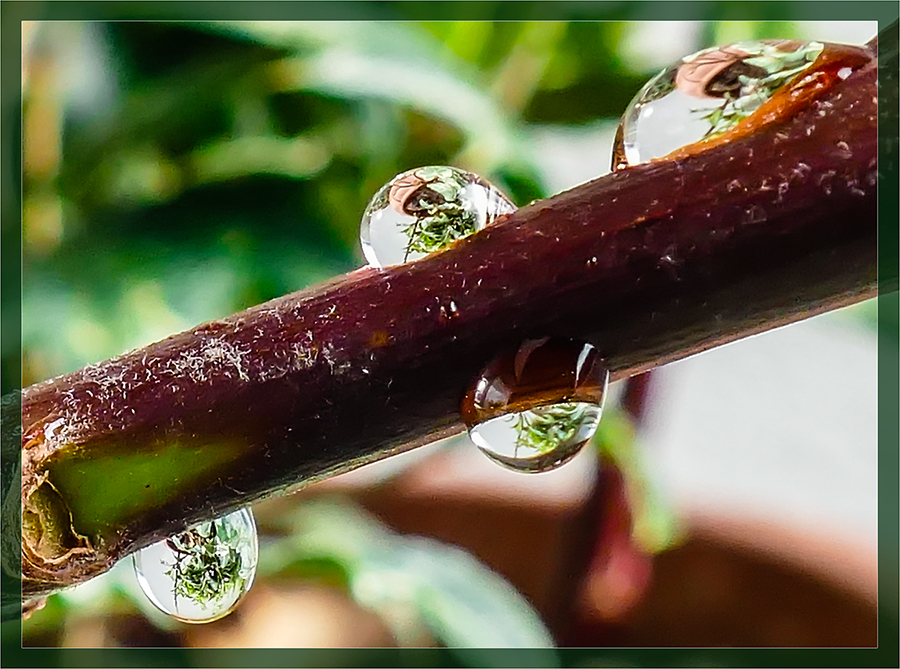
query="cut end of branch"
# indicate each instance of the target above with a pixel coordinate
(52, 550)
(48, 537)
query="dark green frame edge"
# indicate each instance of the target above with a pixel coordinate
(885, 12)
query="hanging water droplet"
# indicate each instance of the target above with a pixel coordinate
(535, 408)
(199, 575)
(425, 210)
(706, 95)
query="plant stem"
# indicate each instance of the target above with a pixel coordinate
(650, 264)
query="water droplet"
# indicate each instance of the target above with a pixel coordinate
(199, 575)
(801, 170)
(706, 95)
(449, 310)
(783, 188)
(825, 181)
(754, 214)
(425, 210)
(533, 409)
(843, 150)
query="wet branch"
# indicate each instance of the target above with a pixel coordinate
(651, 264)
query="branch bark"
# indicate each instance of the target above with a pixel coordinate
(650, 264)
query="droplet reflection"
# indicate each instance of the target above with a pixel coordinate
(199, 575)
(425, 210)
(706, 95)
(534, 409)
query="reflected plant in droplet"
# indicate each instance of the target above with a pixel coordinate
(535, 408)
(543, 429)
(200, 574)
(708, 94)
(425, 210)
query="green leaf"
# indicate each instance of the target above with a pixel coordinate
(464, 603)
(425, 87)
(460, 601)
(654, 526)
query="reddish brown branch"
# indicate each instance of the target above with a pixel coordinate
(651, 264)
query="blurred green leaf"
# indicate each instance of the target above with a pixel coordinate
(655, 527)
(422, 86)
(461, 601)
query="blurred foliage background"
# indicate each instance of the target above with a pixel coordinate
(175, 173)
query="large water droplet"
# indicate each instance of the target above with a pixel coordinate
(425, 210)
(534, 408)
(707, 94)
(199, 575)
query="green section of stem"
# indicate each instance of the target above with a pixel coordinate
(105, 487)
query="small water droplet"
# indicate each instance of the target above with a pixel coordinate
(425, 210)
(199, 575)
(533, 409)
(801, 170)
(783, 188)
(706, 95)
(825, 181)
(754, 214)
(449, 310)
(853, 187)
(843, 150)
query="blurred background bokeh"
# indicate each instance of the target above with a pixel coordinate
(178, 172)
